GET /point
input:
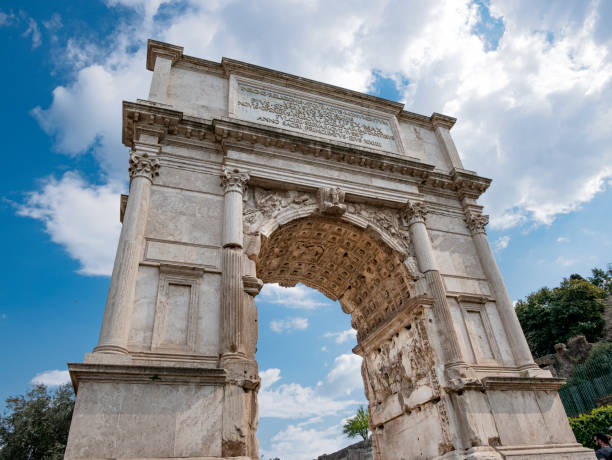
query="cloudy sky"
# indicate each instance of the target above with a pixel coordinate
(530, 83)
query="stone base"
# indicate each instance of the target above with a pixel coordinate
(142, 412)
(548, 452)
(535, 452)
(169, 458)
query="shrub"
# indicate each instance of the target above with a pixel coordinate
(585, 425)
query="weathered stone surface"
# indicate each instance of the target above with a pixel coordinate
(242, 176)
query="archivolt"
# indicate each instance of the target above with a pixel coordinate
(346, 258)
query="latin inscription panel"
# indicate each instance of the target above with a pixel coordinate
(315, 116)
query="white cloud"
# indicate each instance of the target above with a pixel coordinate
(533, 112)
(81, 217)
(288, 325)
(51, 378)
(269, 377)
(563, 239)
(294, 297)
(34, 32)
(564, 261)
(6, 19)
(501, 243)
(296, 442)
(343, 336)
(345, 375)
(292, 400)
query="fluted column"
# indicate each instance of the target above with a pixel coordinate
(144, 165)
(234, 185)
(520, 349)
(414, 216)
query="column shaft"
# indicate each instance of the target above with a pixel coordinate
(232, 300)
(424, 252)
(512, 326)
(232, 295)
(120, 301)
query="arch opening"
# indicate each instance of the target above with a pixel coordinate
(344, 262)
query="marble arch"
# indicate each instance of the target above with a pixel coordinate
(241, 175)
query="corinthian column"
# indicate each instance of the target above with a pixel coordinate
(414, 216)
(234, 184)
(120, 301)
(520, 350)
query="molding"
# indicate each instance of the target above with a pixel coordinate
(153, 375)
(142, 356)
(521, 384)
(245, 136)
(234, 67)
(177, 275)
(166, 50)
(205, 268)
(442, 121)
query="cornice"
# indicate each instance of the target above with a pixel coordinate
(468, 184)
(235, 134)
(278, 78)
(443, 121)
(144, 374)
(155, 48)
(146, 117)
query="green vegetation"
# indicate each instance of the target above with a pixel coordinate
(598, 364)
(358, 425)
(36, 425)
(585, 425)
(551, 316)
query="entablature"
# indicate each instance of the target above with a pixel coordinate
(151, 118)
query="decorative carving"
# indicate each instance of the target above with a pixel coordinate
(414, 212)
(342, 261)
(476, 222)
(234, 180)
(403, 367)
(386, 219)
(331, 201)
(143, 165)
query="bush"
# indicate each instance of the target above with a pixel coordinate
(586, 425)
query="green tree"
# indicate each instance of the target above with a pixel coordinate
(36, 425)
(551, 316)
(602, 279)
(358, 425)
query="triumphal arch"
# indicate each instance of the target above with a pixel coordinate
(240, 176)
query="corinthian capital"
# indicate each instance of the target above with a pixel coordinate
(233, 180)
(476, 222)
(143, 165)
(414, 212)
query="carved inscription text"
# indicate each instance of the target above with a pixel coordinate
(312, 116)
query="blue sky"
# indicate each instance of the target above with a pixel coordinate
(530, 84)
